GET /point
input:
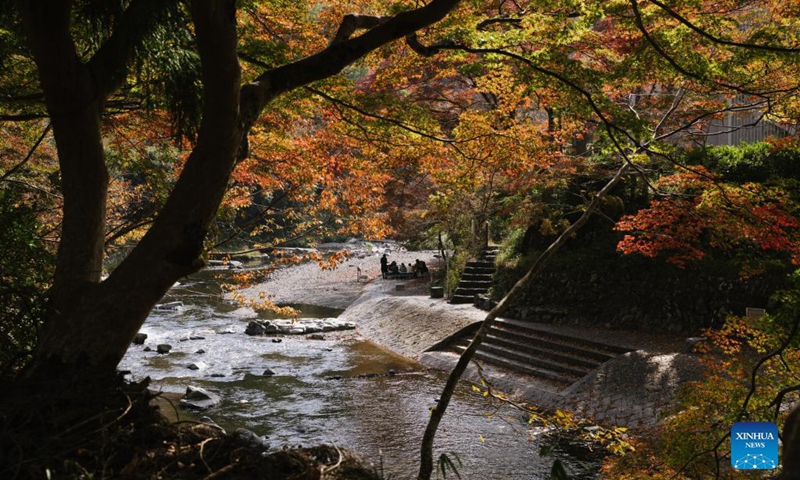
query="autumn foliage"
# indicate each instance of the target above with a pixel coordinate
(698, 212)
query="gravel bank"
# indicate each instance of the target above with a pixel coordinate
(308, 284)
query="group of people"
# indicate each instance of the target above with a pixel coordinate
(417, 268)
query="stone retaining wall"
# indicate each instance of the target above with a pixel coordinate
(641, 294)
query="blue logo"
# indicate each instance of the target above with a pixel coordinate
(754, 446)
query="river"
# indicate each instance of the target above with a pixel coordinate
(341, 390)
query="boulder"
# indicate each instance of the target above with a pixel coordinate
(201, 351)
(139, 338)
(268, 372)
(255, 328)
(250, 439)
(199, 398)
(163, 348)
(277, 340)
(244, 312)
(169, 306)
(316, 336)
(198, 366)
(271, 328)
(208, 421)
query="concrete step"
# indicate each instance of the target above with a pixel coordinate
(476, 277)
(563, 357)
(486, 284)
(563, 380)
(480, 264)
(561, 347)
(460, 299)
(473, 270)
(536, 361)
(470, 292)
(531, 330)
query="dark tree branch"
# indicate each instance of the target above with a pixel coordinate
(382, 118)
(22, 117)
(683, 70)
(777, 402)
(353, 22)
(703, 33)
(336, 57)
(28, 157)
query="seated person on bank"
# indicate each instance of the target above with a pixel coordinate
(420, 267)
(403, 268)
(393, 267)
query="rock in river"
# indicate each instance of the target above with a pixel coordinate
(169, 307)
(255, 328)
(198, 366)
(249, 438)
(139, 338)
(163, 348)
(199, 398)
(297, 327)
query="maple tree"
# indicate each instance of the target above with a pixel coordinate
(80, 69)
(699, 212)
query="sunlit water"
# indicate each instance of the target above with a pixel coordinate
(340, 390)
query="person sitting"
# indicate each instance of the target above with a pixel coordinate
(403, 268)
(393, 267)
(421, 268)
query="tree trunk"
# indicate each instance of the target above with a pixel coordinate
(92, 324)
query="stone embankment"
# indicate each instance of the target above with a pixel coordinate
(631, 389)
(407, 322)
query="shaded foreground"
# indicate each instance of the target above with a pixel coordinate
(76, 429)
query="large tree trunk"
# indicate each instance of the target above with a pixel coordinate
(91, 324)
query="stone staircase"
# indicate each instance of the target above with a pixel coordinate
(532, 349)
(476, 278)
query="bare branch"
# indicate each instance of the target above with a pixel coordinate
(365, 113)
(28, 157)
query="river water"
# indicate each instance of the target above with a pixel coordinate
(341, 390)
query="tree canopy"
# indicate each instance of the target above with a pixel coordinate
(168, 127)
